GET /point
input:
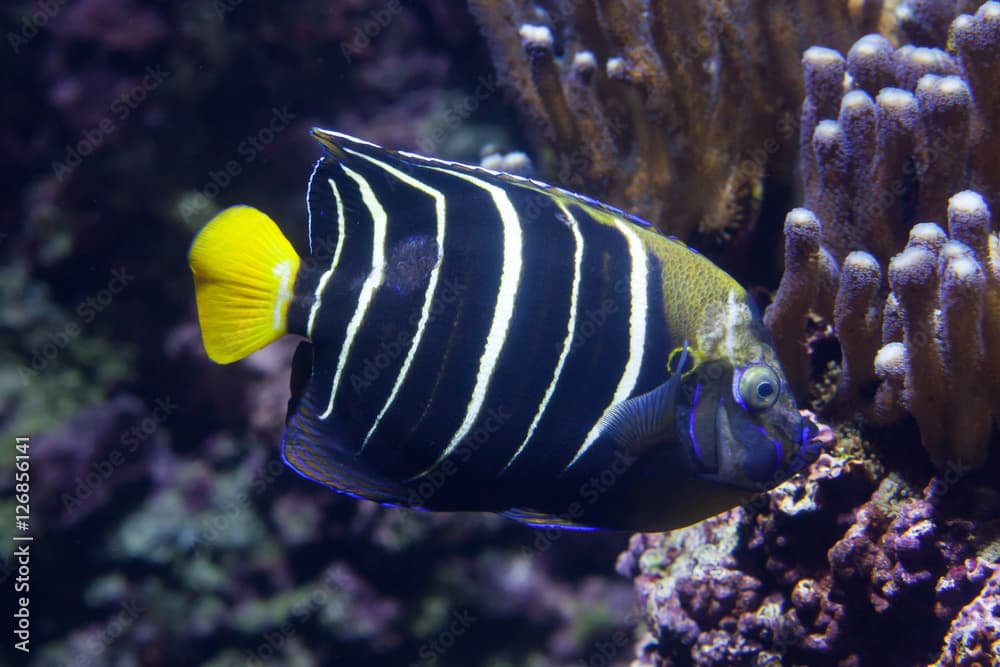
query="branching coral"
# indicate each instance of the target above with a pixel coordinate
(672, 110)
(891, 139)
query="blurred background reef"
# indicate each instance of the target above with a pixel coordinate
(839, 158)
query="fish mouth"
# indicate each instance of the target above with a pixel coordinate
(814, 438)
(760, 457)
(730, 448)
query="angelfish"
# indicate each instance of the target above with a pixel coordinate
(477, 341)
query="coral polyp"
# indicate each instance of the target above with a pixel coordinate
(673, 111)
(916, 308)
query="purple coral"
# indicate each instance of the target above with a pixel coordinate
(783, 579)
(101, 449)
(973, 640)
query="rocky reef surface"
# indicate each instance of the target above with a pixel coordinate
(843, 566)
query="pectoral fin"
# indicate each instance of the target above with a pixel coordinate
(643, 420)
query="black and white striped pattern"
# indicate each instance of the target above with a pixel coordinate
(470, 317)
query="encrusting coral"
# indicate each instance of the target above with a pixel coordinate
(893, 138)
(812, 573)
(974, 637)
(673, 111)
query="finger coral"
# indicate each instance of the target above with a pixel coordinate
(673, 111)
(893, 138)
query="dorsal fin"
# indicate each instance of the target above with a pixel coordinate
(343, 146)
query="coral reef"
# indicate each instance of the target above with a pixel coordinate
(875, 556)
(820, 571)
(167, 529)
(974, 636)
(673, 111)
(893, 138)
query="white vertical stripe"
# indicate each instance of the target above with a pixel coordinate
(309, 214)
(321, 285)
(570, 328)
(503, 311)
(636, 330)
(374, 279)
(284, 273)
(425, 313)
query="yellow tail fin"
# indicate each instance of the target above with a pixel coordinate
(244, 270)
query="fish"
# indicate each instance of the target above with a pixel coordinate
(475, 341)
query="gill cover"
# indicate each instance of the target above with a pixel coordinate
(641, 421)
(741, 426)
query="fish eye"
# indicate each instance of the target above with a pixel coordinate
(758, 387)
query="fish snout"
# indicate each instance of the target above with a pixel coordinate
(814, 437)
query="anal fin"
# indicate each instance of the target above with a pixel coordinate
(535, 519)
(322, 451)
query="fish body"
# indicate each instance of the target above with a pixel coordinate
(477, 341)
